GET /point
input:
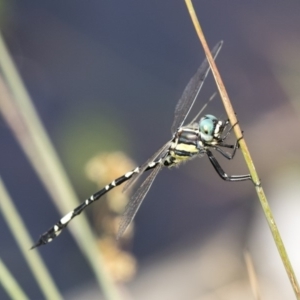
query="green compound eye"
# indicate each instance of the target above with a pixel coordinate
(207, 126)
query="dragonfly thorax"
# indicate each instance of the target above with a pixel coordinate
(185, 144)
(193, 140)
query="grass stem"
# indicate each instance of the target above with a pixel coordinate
(246, 153)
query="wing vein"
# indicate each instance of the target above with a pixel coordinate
(136, 200)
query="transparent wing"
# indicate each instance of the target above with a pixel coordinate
(158, 154)
(202, 109)
(192, 90)
(136, 200)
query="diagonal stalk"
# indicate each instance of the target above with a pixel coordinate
(246, 154)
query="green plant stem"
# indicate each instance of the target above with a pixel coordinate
(10, 285)
(246, 153)
(24, 241)
(21, 116)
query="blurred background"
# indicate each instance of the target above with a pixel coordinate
(105, 76)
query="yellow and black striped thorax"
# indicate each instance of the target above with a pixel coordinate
(194, 139)
(185, 144)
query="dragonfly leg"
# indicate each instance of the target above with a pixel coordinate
(226, 154)
(222, 173)
(228, 131)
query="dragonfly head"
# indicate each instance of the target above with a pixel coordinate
(210, 128)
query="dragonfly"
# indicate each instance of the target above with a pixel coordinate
(188, 141)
